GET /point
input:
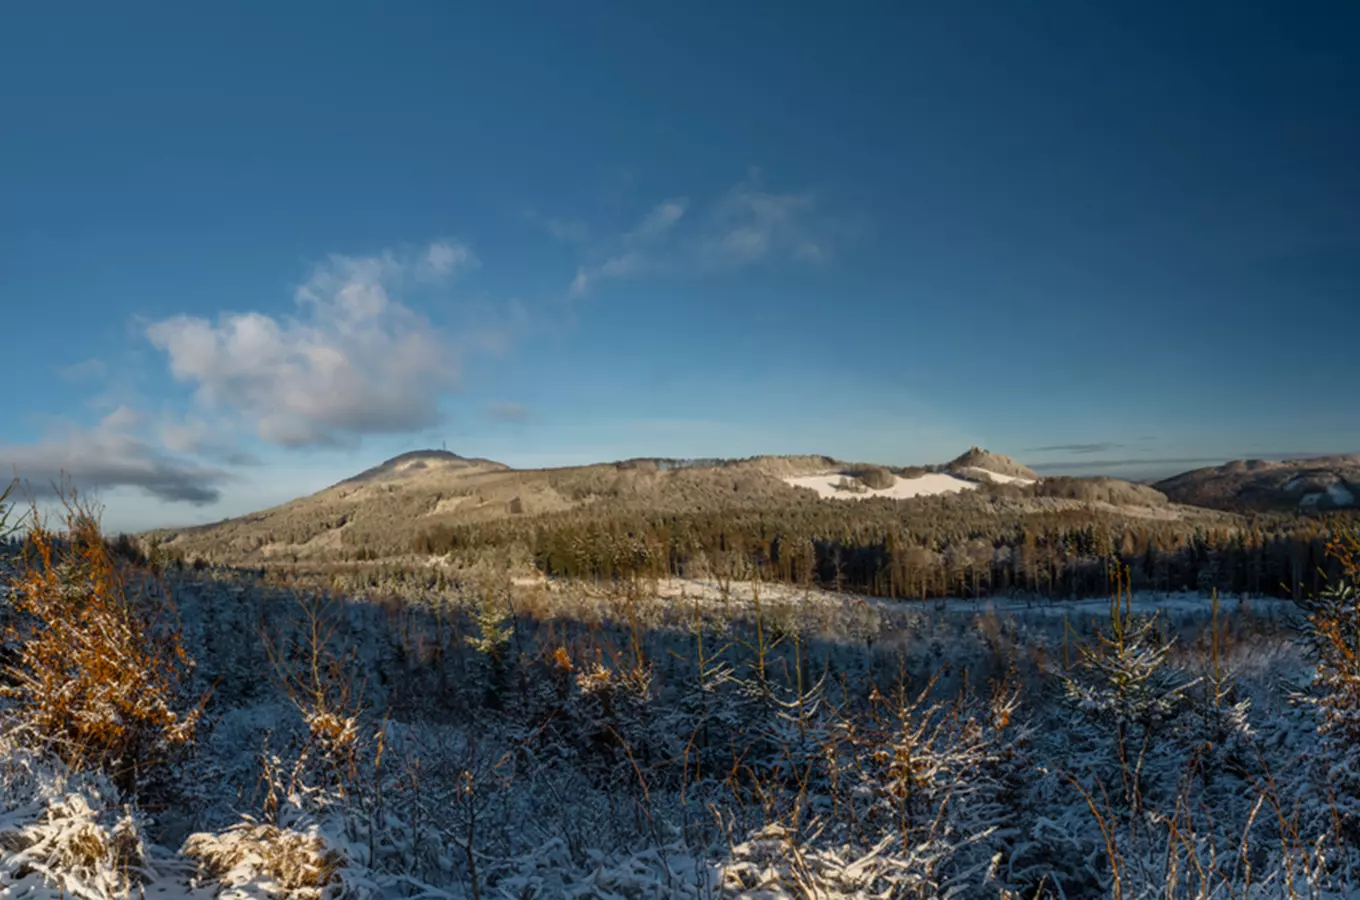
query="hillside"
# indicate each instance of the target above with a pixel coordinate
(993, 466)
(1322, 483)
(382, 509)
(385, 510)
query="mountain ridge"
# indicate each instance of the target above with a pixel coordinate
(384, 508)
(1304, 484)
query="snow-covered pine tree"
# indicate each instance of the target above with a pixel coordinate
(1125, 692)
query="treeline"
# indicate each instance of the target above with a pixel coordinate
(932, 551)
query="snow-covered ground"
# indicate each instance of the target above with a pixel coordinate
(1181, 604)
(902, 488)
(582, 781)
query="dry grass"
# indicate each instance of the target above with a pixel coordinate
(296, 864)
(72, 839)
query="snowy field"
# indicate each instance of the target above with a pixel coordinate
(902, 488)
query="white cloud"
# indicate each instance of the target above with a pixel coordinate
(182, 438)
(354, 362)
(193, 435)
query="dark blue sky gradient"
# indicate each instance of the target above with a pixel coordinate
(1036, 225)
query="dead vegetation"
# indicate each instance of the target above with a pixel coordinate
(290, 863)
(97, 670)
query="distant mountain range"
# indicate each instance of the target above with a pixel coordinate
(1321, 483)
(382, 510)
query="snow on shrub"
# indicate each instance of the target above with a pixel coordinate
(254, 857)
(86, 851)
(65, 835)
(1332, 632)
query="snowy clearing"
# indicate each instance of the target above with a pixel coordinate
(1336, 494)
(739, 594)
(902, 488)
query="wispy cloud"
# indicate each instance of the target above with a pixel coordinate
(633, 252)
(507, 412)
(745, 225)
(752, 225)
(568, 231)
(581, 283)
(87, 370)
(1096, 447)
(443, 258)
(354, 362)
(659, 220)
(623, 266)
(1111, 464)
(1100, 447)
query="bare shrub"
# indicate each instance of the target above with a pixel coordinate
(850, 485)
(876, 477)
(316, 674)
(1332, 631)
(99, 671)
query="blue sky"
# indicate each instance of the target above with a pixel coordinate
(248, 250)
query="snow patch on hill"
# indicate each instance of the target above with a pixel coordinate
(902, 489)
(1337, 495)
(997, 476)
